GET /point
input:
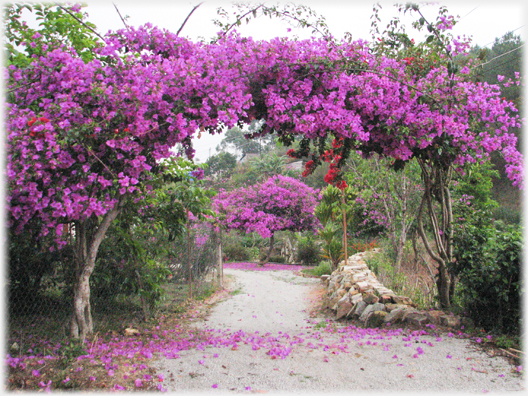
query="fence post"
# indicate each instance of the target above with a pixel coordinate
(220, 264)
(189, 262)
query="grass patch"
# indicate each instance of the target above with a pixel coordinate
(323, 268)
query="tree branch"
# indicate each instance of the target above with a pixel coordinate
(80, 21)
(122, 19)
(186, 19)
(253, 10)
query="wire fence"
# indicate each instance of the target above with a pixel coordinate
(123, 292)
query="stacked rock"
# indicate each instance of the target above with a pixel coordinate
(353, 291)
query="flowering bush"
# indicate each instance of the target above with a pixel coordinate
(85, 135)
(277, 204)
(280, 203)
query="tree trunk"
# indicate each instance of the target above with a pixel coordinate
(88, 238)
(268, 255)
(436, 179)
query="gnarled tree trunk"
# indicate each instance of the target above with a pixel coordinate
(88, 238)
(268, 255)
(436, 190)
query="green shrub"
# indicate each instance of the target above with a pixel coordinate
(508, 215)
(277, 259)
(324, 268)
(488, 265)
(308, 251)
(236, 252)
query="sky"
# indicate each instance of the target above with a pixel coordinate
(483, 20)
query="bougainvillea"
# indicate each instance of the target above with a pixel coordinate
(107, 123)
(84, 136)
(277, 204)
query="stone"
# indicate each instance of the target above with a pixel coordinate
(356, 298)
(360, 307)
(402, 300)
(434, 316)
(341, 292)
(324, 278)
(376, 319)
(366, 313)
(355, 267)
(131, 332)
(343, 308)
(391, 307)
(449, 321)
(370, 298)
(369, 309)
(360, 276)
(416, 318)
(379, 307)
(347, 286)
(394, 315)
(363, 286)
(385, 299)
(353, 291)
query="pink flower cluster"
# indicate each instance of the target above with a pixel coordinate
(106, 123)
(277, 204)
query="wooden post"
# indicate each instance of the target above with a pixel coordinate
(189, 255)
(344, 227)
(220, 264)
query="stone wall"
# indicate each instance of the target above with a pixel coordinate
(354, 292)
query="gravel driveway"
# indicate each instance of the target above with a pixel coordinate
(266, 341)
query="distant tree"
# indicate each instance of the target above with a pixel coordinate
(389, 198)
(269, 165)
(503, 59)
(221, 165)
(235, 139)
(278, 204)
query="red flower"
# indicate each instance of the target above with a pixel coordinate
(341, 185)
(43, 119)
(32, 121)
(308, 168)
(336, 143)
(291, 153)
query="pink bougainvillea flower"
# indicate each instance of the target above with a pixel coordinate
(138, 383)
(35, 373)
(215, 386)
(92, 378)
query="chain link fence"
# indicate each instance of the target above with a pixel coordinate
(125, 290)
